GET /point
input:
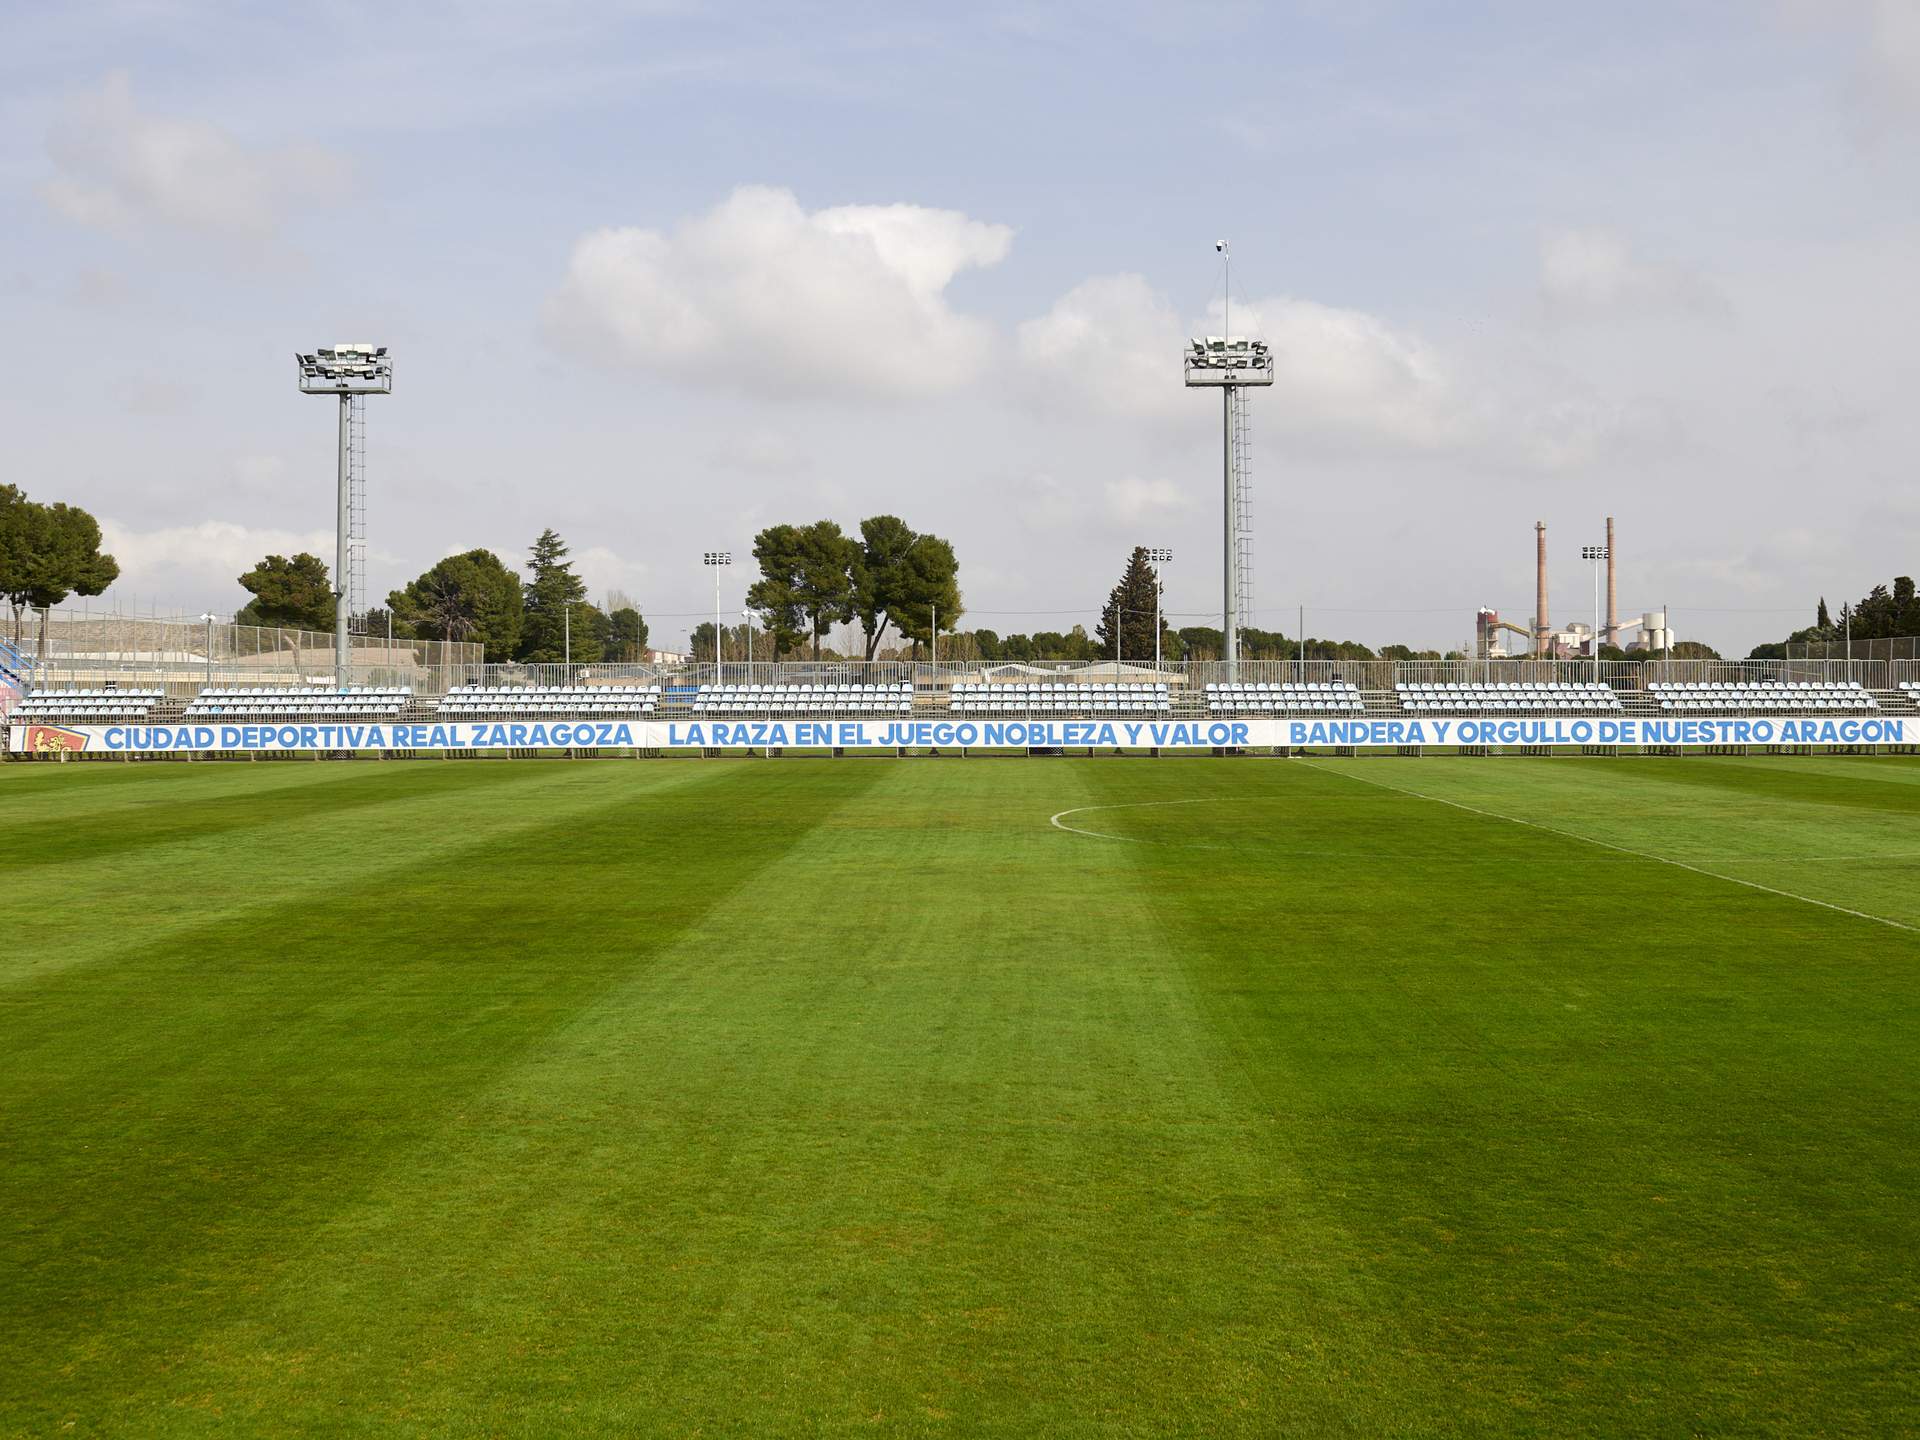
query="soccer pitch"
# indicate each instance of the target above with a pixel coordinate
(1061, 1097)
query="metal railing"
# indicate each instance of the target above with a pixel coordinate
(1192, 676)
(182, 654)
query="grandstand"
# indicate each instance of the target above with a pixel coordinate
(1339, 697)
(94, 706)
(503, 702)
(1520, 697)
(1187, 692)
(804, 699)
(1765, 696)
(1059, 698)
(304, 702)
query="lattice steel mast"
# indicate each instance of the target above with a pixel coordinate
(349, 372)
(1230, 363)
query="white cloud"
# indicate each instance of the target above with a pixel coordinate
(1341, 377)
(603, 570)
(1113, 342)
(1133, 499)
(118, 168)
(200, 561)
(1347, 378)
(758, 289)
(260, 473)
(1593, 272)
(1893, 47)
(155, 395)
(761, 452)
(1046, 503)
(1885, 37)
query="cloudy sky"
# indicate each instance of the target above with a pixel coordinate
(658, 275)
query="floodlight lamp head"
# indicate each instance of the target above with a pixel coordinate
(1222, 360)
(353, 368)
(718, 557)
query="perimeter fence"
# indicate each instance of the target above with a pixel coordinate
(181, 654)
(1370, 675)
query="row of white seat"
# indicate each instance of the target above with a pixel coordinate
(510, 700)
(1523, 697)
(1286, 697)
(341, 707)
(522, 692)
(1691, 687)
(546, 708)
(903, 687)
(1286, 704)
(1554, 688)
(300, 692)
(1058, 703)
(1307, 686)
(1772, 702)
(1047, 687)
(96, 694)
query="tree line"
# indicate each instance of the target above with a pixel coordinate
(1883, 613)
(814, 577)
(47, 553)
(473, 598)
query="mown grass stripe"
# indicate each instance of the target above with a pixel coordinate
(234, 1085)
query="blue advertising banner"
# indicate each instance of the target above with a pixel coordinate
(1363, 732)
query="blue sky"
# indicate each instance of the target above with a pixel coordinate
(658, 275)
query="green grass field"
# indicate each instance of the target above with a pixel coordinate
(1372, 1097)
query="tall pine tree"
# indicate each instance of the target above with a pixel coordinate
(551, 589)
(1129, 613)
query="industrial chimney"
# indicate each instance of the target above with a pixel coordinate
(1541, 629)
(1613, 614)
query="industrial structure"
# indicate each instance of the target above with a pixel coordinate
(1543, 641)
(352, 372)
(1229, 363)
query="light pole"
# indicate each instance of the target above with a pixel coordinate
(1231, 363)
(1597, 554)
(209, 618)
(1157, 555)
(716, 560)
(345, 371)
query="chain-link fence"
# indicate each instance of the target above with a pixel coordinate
(1371, 675)
(182, 654)
(1887, 648)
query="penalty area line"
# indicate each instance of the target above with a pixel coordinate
(1618, 849)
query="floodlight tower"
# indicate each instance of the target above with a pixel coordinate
(1597, 554)
(1229, 363)
(717, 560)
(348, 371)
(1157, 555)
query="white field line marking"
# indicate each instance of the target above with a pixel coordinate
(1054, 820)
(1620, 849)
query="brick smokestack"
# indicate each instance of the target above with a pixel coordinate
(1613, 603)
(1541, 629)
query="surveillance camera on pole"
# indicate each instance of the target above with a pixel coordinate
(344, 370)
